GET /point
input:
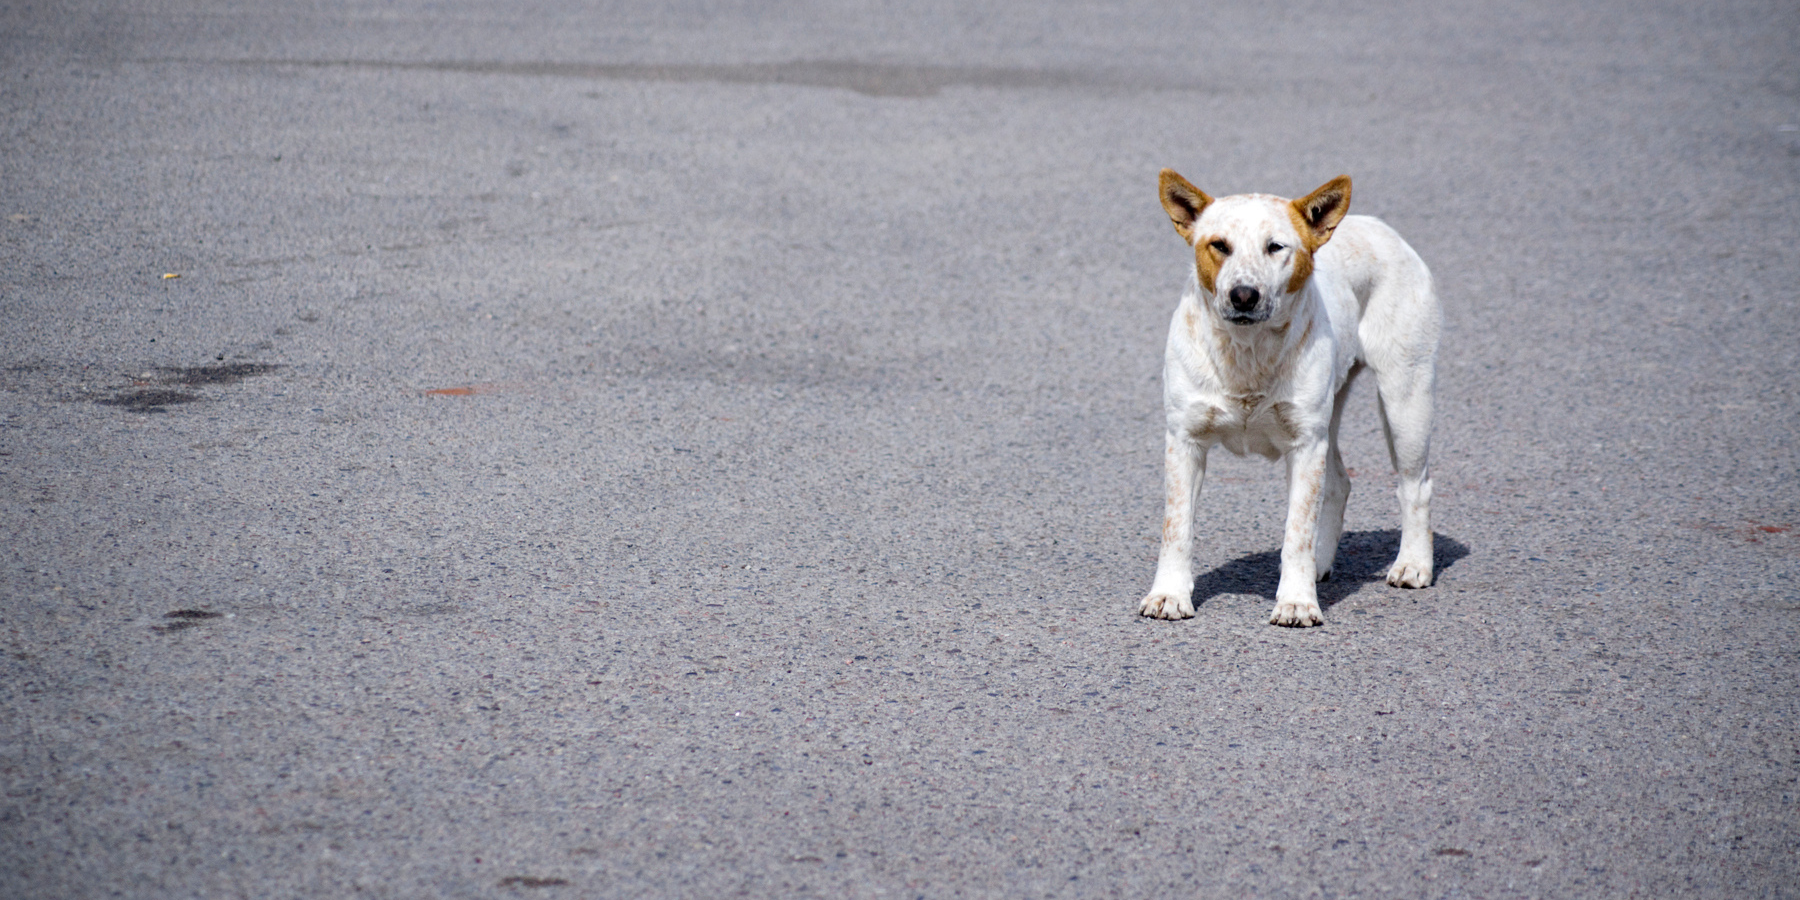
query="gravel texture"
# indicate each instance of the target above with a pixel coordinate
(711, 449)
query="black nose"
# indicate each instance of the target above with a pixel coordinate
(1244, 297)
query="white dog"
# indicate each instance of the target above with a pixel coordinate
(1273, 327)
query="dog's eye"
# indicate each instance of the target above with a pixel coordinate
(1275, 248)
(1223, 248)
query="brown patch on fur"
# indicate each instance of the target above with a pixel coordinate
(1315, 217)
(1250, 370)
(1302, 539)
(1302, 269)
(1207, 261)
(1283, 413)
(1182, 201)
(1171, 494)
(1203, 429)
(1246, 372)
(1313, 485)
(1317, 214)
(1172, 498)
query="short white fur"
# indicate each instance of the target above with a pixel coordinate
(1266, 370)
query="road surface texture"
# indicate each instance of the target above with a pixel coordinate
(710, 449)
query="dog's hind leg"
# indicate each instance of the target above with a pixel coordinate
(1406, 409)
(1399, 333)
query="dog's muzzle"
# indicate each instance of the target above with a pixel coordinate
(1244, 299)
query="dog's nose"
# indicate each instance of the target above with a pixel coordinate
(1244, 297)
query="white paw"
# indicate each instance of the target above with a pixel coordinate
(1409, 574)
(1167, 606)
(1297, 613)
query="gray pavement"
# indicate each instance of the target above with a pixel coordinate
(697, 450)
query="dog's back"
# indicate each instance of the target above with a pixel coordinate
(1399, 313)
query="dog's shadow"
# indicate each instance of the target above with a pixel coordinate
(1363, 557)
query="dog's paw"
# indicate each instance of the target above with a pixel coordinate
(1409, 574)
(1167, 606)
(1296, 614)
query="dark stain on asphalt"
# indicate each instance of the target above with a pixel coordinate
(228, 373)
(182, 619)
(530, 882)
(147, 401)
(162, 388)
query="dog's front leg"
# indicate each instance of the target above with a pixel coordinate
(1172, 593)
(1297, 597)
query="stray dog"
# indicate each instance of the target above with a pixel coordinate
(1288, 302)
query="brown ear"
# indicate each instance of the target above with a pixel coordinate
(1182, 201)
(1317, 214)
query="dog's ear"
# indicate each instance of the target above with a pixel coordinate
(1317, 214)
(1182, 201)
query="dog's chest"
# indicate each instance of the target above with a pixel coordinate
(1242, 424)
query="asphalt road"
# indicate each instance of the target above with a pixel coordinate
(711, 449)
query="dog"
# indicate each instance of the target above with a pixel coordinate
(1288, 302)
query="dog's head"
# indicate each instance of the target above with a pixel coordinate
(1253, 252)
